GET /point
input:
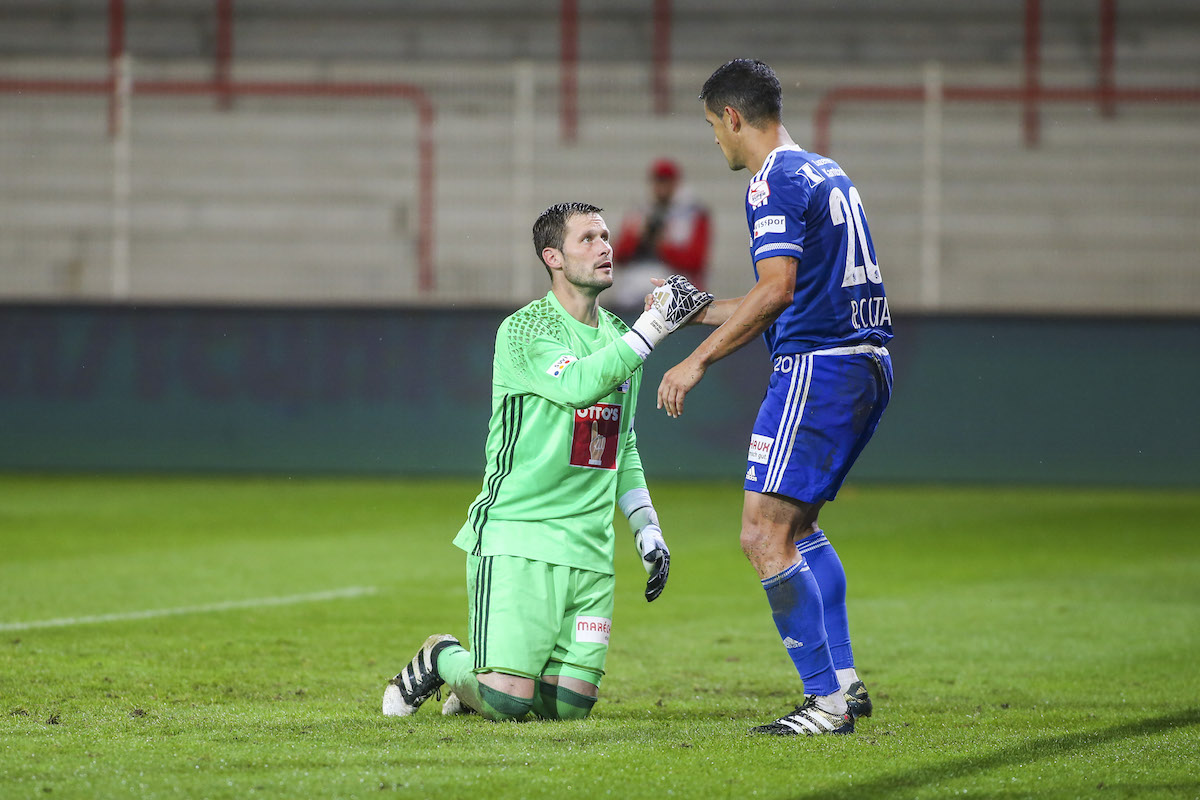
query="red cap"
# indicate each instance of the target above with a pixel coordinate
(664, 168)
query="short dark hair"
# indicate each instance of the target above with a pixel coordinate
(550, 228)
(747, 85)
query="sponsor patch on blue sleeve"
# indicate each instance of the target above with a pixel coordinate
(758, 194)
(772, 224)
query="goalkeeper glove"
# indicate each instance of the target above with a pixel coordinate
(648, 538)
(674, 303)
(656, 558)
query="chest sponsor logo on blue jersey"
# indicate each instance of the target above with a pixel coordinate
(758, 194)
(775, 224)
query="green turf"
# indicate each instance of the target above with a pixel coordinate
(1017, 642)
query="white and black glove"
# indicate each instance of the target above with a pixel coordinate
(674, 303)
(656, 558)
(648, 537)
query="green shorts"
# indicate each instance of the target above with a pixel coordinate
(531, 618)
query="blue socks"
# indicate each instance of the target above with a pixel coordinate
(796, 607)
(831, 578)
(808, 603)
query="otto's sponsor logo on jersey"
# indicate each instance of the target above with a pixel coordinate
(870, 312)
(600, 411)
(775, 224)
(760, 450)
(593, 629)
(594, 440)
(758, 194)
(557, 367)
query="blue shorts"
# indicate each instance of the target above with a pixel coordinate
(819, 412)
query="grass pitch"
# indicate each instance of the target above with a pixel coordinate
(173, 637)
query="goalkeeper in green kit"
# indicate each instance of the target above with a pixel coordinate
(561, 451)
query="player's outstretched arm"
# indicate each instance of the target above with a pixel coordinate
(761, 306)
(718, 312)
(648, 537)
(713, 314)
(552, 371)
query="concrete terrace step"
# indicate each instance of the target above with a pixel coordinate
(853, 31)
(314, 218)
(1089, 232)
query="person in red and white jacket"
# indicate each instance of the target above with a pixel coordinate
(668, 235)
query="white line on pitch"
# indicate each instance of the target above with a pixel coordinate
(260, 602)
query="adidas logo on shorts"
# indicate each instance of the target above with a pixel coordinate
(751, 476)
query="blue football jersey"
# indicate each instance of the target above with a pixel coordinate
(803, 205)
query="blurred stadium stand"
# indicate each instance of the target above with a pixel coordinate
(317, 199)
(236, 281)
(845, 32)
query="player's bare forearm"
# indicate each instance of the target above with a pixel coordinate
(717, 312)
(747, 317)
(746, 320)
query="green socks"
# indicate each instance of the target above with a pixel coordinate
(549, 701)
(456, 666)
(556, 702)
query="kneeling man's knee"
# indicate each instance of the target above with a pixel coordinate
(500, 707)
(559, 702)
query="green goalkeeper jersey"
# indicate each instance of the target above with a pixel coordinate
(560, 447)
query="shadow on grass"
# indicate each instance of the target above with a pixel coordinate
(902, 784)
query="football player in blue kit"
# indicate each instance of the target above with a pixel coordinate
(819, 303)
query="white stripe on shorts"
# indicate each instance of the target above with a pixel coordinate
(773, 458)
(793, 412)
